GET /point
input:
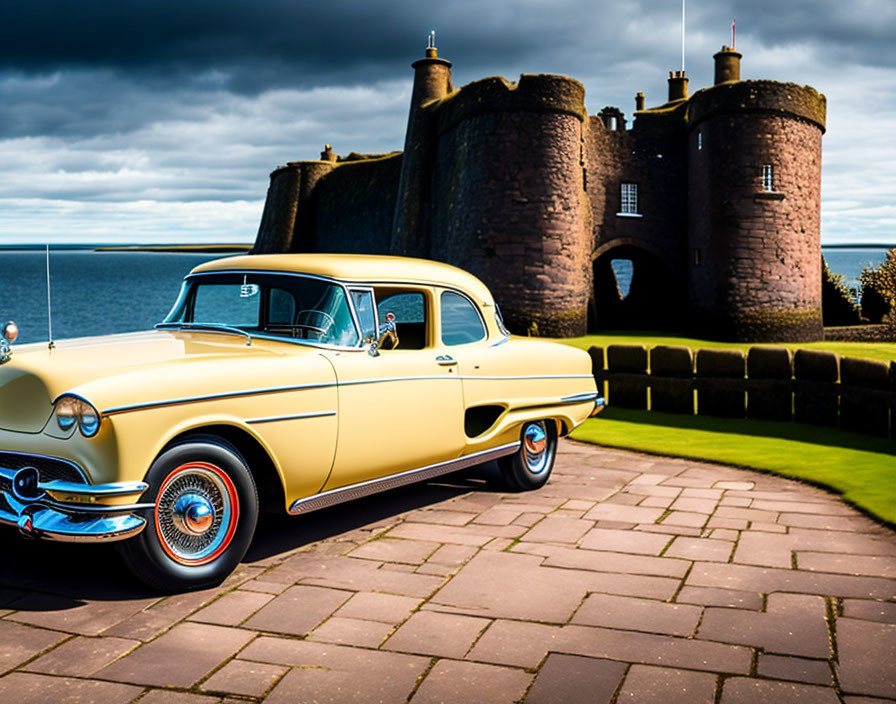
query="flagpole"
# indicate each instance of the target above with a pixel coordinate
(682, 34)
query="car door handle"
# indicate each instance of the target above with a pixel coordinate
(446, 360)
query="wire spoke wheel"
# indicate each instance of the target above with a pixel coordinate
(196, 513)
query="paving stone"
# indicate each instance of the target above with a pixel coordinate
(21, 643)
(560, 556)
(29, 688)
(693, 505)
(336, 674)
(178, 658)
(511, 585)
(767, 579)
(60, 613)
(625, 541)
(393, 550)
(161, 616)
(724, 534)
(686, 518)
(298, 610)
(866, 700)
(259, 585)
(528, 519)
(526, 644)
(656, 502)
(573, 679)
(453, 681)
(452, 555)
(767, 527)
(839, 523)
(800, 669)
(558, 530)
(166, 696)
(499, 516)
(356, 575)
(710, 596)
(736, 486)
(624, 499)
(671, 491)
(370, 606)
(629, 514)
(398, 567)
(81, 656)
(648, 478)
(578, 505)
(251, 679)
(444, 518)
(739, 690)
(498, 544)
(882, 611)
(730, 523)
(637, 615)
(829, 508)
(351, 631)
(438, 634)
(668, 529)
(476, 535)
(870, 565)
(704, 549)
(644, 684)
(867, 651)
(233, 608)
(794, 625)
(735, 501)
(430, 568)
(746, 514)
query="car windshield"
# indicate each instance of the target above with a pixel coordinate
(292, 306)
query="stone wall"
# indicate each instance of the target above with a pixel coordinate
(753, 264)
(508, 198)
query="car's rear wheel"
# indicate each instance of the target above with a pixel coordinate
(530, 466)
(206, 507)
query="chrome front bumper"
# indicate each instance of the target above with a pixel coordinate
(68, 511)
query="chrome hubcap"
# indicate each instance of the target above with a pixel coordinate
(535, 442)
(195, 514)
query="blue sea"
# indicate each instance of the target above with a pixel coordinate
(101, 292)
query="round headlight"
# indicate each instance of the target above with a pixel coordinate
(66, 415)
(71, 410)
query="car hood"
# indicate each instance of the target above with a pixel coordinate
(119, 370)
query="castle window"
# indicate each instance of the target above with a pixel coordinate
(613, 123)
(768, 178)
(699, 140)
(629, 201)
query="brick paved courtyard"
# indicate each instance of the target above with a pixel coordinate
(627, 579)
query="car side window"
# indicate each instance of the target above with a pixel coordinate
(281, 307)
(409, 309)
(461, 322)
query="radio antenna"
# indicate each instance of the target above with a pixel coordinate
(51, 344)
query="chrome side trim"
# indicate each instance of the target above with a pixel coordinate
(274, 419)
(214, 397)
(301, 387)
(500, 342)
(580, 398)
(373, 486)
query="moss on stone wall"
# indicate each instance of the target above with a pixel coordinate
(533, 93)
(803, 102)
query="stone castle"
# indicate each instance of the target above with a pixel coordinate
(713, 197)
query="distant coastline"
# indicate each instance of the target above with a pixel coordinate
(185, 248)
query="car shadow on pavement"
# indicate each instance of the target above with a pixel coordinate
(84, 572)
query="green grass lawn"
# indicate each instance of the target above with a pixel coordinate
(861, 468)
(882, 351)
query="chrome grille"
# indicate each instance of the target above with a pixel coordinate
(49, 468)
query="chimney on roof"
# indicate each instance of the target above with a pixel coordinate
(678, 86)
(727, 65)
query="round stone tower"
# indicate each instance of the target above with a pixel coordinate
(754, 203)
(509, 200)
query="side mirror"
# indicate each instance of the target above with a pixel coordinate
(373, 349)
(11, 331)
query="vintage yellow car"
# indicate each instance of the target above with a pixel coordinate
(292, 381)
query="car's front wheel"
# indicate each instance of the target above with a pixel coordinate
(206, 507)
(530, 466)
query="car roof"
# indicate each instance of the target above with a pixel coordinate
(367, 268)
